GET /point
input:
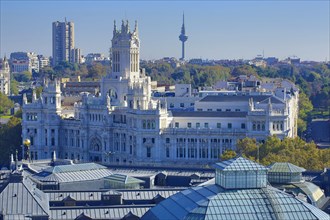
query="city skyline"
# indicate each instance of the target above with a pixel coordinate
(216, 30)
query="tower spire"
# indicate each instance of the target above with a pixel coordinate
(136, 28)
(114, 27)
(183, 37)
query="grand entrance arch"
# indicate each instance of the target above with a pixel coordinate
(95, 149)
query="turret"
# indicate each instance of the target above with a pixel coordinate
(52, 96)
(34, 96)
(136, 28)
(24, 99)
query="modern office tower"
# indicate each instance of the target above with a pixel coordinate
(183, 38)
(63, 41)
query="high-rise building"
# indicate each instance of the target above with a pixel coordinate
(183, 38)
(75, 55)
(63, 41)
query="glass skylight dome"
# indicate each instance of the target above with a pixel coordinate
(228, 198)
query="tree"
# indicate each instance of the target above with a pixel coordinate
(292, 150)
(248, 147)
(244, 70)
(10, 139)
(228, 154)
(24, 76)
(38, 91)
(96, 70)
(13, 87)
(5, 104)
(305, 107)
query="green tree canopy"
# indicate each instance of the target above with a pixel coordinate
(228, 154)
(13, 87)
(24, 76)
(5, 104)
(10, 139)
(292, 150)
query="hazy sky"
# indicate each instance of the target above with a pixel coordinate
(216, 29)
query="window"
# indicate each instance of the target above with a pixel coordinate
(209, 109)
(53, 141)
(192, 104)
(167, 140)
(228, 110)
(167, 152)
(237, 110)
(171, 105)
(219, 109)
(229, 125)
(148, 152)
(243, 125)
(177, 124)
(206, 125)
(198, 125)
(182, 105)
(218, 125)
(189, 124)
(199, 109)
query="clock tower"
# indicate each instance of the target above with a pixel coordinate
(125, 65)
(125, 52)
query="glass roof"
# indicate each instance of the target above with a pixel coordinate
(239, 164)
(74, 168)
(124, 179)
(285, 168)
(265, 203)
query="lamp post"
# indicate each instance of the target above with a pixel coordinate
(27, 144)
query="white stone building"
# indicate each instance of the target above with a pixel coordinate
(125, 124)
(4, 76)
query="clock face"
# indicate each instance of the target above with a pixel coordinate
(135, 43)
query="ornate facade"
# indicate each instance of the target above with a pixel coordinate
(126, 124)
(4, 76)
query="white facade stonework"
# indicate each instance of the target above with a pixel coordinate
(125, 124)
(4, 76)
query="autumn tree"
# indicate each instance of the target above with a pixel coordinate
(228, 154)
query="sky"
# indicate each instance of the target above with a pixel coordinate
(215, 29)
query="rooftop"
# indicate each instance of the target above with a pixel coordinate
(239, 164)
(285, 168)
(240, 98)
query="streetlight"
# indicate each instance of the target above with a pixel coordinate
(27, 144)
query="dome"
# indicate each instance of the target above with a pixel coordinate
(216, 202)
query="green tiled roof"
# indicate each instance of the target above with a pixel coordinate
(285, 168)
